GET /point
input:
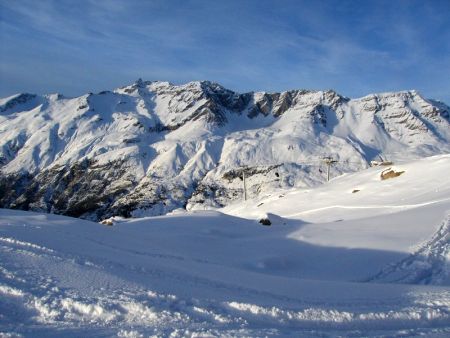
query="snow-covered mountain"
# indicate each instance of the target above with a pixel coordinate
(152, 147)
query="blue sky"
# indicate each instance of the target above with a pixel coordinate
(354, 47)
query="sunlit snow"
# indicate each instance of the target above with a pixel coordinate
(334, 262)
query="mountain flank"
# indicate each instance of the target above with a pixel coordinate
(152, 147)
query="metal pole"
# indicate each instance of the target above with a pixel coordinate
(245, 186)
(329, 161)
(328, 171)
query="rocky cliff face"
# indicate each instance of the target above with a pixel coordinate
(152, 147)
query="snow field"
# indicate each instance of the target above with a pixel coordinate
(333, 263)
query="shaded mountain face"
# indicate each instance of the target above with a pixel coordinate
(152, 147)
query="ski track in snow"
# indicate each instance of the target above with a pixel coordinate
(36, 301)
(394, 207)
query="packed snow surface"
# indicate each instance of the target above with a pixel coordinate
(358, 256)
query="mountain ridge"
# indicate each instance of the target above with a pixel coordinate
(151, 147)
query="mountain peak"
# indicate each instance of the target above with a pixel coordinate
(139, 83)
(18, 102)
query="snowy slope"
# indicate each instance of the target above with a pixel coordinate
(324, 267)
(152, 147)
(361, 210)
